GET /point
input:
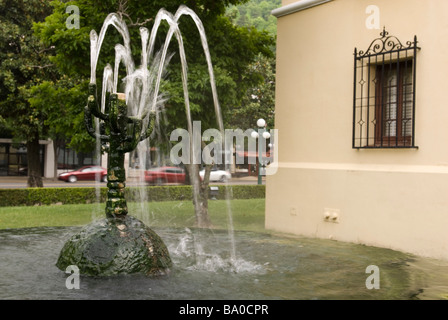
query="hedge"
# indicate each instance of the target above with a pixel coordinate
(48, 196)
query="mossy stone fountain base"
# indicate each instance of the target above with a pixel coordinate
(113, 246)
(118, 244)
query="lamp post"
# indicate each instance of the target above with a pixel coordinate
(261, 123)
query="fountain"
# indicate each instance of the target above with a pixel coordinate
(120, 121)
(119, 243)
(201, 265)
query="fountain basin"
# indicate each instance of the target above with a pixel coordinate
(267, 267)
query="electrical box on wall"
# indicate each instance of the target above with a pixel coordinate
(332, 215)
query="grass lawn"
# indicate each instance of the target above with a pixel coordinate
(245, 214)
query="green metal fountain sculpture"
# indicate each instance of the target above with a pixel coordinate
(120, 135)
(119, 243)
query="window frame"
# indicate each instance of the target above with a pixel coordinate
(384, 55)
(400, 139)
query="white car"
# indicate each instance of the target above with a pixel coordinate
(217, 175)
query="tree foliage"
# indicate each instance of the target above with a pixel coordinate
(259, 100)
(255, 13)
(24, 64)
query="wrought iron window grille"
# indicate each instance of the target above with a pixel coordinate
(384, 94)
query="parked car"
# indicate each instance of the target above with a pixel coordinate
(85, 173)
(163, 175)
(216, 175)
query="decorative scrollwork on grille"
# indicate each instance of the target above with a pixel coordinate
(384, 44)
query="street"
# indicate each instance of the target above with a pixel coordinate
(10, 182)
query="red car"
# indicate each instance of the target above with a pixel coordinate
(85, 173)
(165, 175)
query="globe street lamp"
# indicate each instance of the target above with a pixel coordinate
(261, 123)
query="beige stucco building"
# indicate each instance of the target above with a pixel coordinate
(362, 138)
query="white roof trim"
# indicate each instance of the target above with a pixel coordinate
(296, 6)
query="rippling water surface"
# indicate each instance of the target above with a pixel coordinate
(265, 267)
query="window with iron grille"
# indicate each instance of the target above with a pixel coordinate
(384, 94)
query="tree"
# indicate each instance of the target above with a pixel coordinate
(24, 64)
(232, 50)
